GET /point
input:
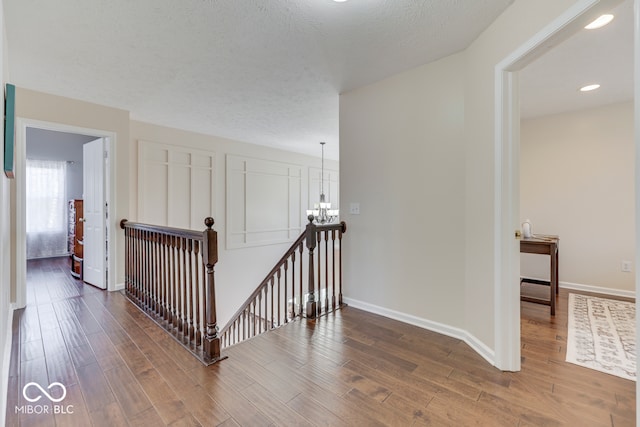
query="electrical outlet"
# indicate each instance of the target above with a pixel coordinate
(625, 266)
(354, 209)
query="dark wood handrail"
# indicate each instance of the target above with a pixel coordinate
(169, 231)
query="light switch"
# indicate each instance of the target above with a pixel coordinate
(354, 209)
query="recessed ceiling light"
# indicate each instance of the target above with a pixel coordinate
(339, 1)
(600, 22)
(589, 88)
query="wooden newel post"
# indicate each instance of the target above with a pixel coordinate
(311, 245)
(210, 253)
(127, 254)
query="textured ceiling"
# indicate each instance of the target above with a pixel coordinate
(264, 72)
(270, 72)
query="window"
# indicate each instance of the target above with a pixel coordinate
(46, 208)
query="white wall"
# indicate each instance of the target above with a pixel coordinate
(239, 270)
(235, 277)
(6, 257)
(417, 151)
(402, 160)
(36, 106)
(577, 181)
(513, 28)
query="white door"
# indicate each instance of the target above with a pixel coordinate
(94, 213)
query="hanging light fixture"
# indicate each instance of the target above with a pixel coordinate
(322, 212)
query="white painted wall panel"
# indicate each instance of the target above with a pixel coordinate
(175, 184)
(201, 199)
(179, 207)
(295, 198)
(154, 192)
(241, 266)
(263, 202)
(267, 202)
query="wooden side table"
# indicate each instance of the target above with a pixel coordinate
(544, 245)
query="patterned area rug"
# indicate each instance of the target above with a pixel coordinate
(602, 335)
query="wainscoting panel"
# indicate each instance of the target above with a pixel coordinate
(175, 185)
(263, 202)
(153, 189)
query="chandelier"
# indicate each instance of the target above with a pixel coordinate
(322, 212)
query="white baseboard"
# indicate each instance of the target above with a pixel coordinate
(119, 286)
(598, 290)
(593, 289)
(6, 363)
(450, 331)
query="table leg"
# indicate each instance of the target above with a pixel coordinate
(557, 275)
(553, 285)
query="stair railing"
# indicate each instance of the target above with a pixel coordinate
(294, 288)
(169, 275)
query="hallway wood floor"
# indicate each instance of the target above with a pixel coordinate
(351, 368)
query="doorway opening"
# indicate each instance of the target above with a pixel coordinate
(507, 191)
(54, 193)
(42, 146)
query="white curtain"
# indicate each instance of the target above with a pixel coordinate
(46, 208)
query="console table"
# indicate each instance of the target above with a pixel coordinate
(76, 237)
(544, 245)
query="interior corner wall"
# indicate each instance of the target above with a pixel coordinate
(423, 242)
(6, 257)
(585, 194)
(401, 160)
(521, 21)
(56, 109)
(239, 270)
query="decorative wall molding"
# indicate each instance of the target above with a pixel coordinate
(264, 202)
(175, 185)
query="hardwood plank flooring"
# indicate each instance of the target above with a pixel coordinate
(350, 368)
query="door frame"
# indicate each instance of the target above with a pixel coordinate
(20, 196)
(507, 168)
